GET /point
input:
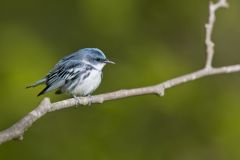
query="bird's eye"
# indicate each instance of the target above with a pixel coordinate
(98, 59)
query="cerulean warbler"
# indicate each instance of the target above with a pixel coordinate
(78, 74)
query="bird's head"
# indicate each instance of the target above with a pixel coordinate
(95, 57)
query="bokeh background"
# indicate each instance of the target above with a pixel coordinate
(151, 41)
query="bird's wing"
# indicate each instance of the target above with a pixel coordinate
(62, 73)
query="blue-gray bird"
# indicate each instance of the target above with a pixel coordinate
(78, 74)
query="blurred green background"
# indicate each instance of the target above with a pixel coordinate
(151, 41)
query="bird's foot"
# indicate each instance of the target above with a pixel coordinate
(78, 100)
(89, 100)
(83, 100)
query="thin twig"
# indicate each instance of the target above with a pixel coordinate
(213, 7)
(17, 130)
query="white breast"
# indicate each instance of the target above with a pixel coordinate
(89, 85)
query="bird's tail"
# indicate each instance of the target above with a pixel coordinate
(41, 81)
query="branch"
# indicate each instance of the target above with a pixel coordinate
(17, 130)
(209, 28)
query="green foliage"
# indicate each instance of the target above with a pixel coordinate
(151, 41)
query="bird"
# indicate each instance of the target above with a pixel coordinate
(78, 74)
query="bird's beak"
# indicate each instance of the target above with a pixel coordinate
(108, 61)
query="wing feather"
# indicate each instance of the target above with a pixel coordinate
(63, 74)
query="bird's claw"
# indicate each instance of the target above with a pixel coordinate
(89, 100)
(78, 100)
